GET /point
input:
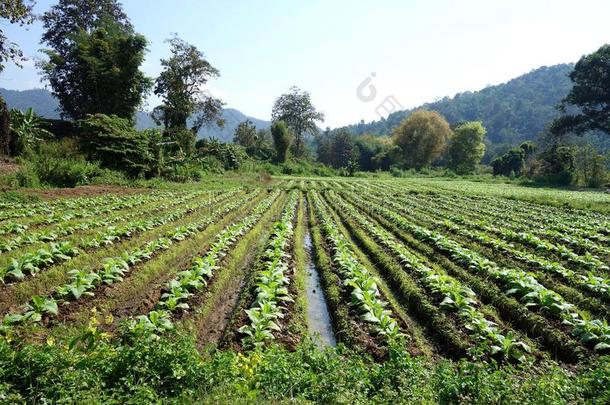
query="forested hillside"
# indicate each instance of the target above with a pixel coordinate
(512, 112)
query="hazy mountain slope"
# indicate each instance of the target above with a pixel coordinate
(47, 106)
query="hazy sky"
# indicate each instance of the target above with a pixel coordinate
(417, 51)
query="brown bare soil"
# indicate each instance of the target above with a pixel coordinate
(8, 166)
(83, 191)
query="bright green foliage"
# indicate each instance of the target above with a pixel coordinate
(422, 138)
(116, 144)
(456, 296)
(27, 131)
(466, 147)
(180, 289)
(271, 286)
(364, 292)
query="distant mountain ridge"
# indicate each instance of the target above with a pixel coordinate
(512, 112)
(46, 105)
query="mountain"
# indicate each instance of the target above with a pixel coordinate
(46, 105)
(512, 112)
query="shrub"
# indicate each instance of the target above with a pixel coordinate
(57, 164)
(115, 143)
(26, 177)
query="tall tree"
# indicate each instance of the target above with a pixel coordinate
(466, 147)
(180, 85)
(297, 111)
(13, 12)
(422, 138)
(100, 72)
(343, 149)
(282, 139)
(245, 134)
(93, 58)
(590, 94)
(68, 17)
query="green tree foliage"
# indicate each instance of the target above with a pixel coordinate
(256, 143)
(180, 86)
(229, 156)
(590, 166)
(246, 135)
(422, 138)
(555, 165)
(466, 147)
(297, 111)
(512, 163)
(590, 94)
(114, 143)
(71, 16)
(99, 72)
(13, 12)
(282, 138)
(369, 147)
(27, 131)
(338, 149)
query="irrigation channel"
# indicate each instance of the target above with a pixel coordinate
(318, 316)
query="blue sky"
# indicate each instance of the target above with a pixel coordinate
(417, 51)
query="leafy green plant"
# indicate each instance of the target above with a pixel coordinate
(27, 130)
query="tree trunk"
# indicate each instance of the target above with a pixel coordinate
(5, 129)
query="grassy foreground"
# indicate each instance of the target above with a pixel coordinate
(172, 370)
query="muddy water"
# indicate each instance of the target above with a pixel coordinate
(318, 317)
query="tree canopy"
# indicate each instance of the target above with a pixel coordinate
(99, 72)
(466, 147)
(68, 17)
(422, 138)
(590, 95)
(94, 59)
(298, 112)
(181, 84)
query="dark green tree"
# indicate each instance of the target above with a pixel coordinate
(99, 72)
(343, 150)
(297, 111)
(556, 165)
(513, 161)
(282, 138)
(590, 94)
(245, 135)
(466, 147)
(180, 86)
(324, 147)
(68, 17)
